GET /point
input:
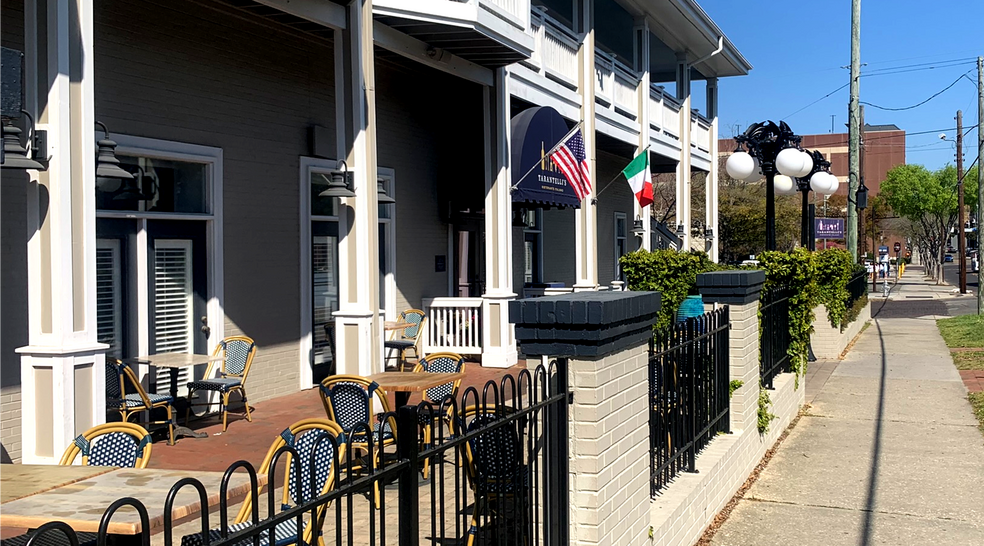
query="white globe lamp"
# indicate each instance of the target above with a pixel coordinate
(789, 162)
(756, 172)
(740, 165)
(784, 185)
(807, 165)
(820, 182)
(834, 184)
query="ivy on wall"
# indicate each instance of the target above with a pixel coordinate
(834, 270)
(798, 271)
(672, 273)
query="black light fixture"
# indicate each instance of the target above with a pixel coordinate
(637, 228)
(14, 156)
(381, 196)
(680, 231)
(107, 165)
(861, 197)
(132, 190)
(339, 182)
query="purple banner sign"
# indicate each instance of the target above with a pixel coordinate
(829, 228)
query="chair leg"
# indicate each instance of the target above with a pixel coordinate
(427, 444)
(170, 426)
(249, 418)
(473, 528)
(225, 410)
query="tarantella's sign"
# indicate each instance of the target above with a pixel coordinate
(829, 228)
(534, 132)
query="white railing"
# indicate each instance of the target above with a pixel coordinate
(656, 107)
(700, 133)
(626, 94)
(518, 10)
(671, 116)
(554, 50)
(604, 78)
(453, 324)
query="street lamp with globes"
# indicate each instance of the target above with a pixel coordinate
(770, 151)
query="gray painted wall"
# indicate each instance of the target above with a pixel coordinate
(13, 257)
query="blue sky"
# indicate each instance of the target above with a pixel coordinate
(797, 49)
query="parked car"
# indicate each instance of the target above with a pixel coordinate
(948, 258)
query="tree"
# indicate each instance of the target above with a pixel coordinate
(928, 199)
(741, 212)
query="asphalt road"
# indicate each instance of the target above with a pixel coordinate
(951, 275)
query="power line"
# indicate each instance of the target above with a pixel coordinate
(816, 101)
(938, 93)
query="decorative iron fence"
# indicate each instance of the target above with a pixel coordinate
(688, 384)
(774, 335)
(496, 464)
(857, 287)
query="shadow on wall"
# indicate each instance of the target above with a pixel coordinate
(4, 456)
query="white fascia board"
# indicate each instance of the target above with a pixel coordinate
(317, 11)
(411, 48)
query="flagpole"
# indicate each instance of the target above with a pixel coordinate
(547, 155)
(620, 173)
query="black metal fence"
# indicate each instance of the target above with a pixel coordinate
(774, 340)
(496, 462)
(688, 384)
(857, 287)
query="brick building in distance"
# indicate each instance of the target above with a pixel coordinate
(884, 150)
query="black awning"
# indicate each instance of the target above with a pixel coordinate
(534, 132)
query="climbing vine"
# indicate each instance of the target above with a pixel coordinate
(834, 270)
(798, 271)
(765, 417)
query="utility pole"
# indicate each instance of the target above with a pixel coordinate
(862, 244)
(961, 235)
(980, 182)
(853, 129)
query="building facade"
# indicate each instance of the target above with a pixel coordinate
(232, 116)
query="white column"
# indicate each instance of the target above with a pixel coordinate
(586, 220)
(62, 369)
(358, 329)
(498, 334)
(683, 169)
(713, 178)
(642, 68)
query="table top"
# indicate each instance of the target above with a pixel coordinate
(81, 504)
(412, 381)
(23, 480)
(174, 360)
(394, 325)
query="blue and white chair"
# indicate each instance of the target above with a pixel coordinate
(237, 353)
(125, 394)
(438, 363)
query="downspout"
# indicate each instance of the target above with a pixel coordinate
(720, 47)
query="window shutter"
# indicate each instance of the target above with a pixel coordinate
(173, 306)
(109, 304)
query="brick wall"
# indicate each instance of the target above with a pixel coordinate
(830, 342)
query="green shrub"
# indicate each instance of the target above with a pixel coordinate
(673, 274)
(798, 271)
(834, 270)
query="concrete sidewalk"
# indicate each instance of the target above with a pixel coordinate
(888, 453)
(915, 285)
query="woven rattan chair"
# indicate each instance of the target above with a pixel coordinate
(348, 401)
(125, 445)
(495, 469)
(302, 436)
(408, 338)
(438, 363)
(237, 353)
(126, 395)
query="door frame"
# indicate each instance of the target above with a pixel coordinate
(211, 157)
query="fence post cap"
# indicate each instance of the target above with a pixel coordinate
(584, 324)
(733, 287)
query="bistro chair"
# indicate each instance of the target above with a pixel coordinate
(237, 353)
(348, 401)
(114, 444)
(408, 338)
(438, 363)
(124, 444)
(496, 472)
(120, 379)
(301, 436)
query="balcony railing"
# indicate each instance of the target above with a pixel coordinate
(517, 11)
(555, 50)
(453, 324)
(615, 84)
(664, 112)
(700, 132)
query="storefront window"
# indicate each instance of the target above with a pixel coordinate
(158, 185)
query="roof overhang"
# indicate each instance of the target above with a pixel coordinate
(684, 26)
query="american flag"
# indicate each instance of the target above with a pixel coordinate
(570, 159)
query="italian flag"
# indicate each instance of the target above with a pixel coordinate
(640, 179)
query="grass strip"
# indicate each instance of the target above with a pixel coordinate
(969, 360)
(977, 403)
(962, 331)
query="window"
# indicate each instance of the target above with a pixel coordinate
(532, 245)
(621, 243)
